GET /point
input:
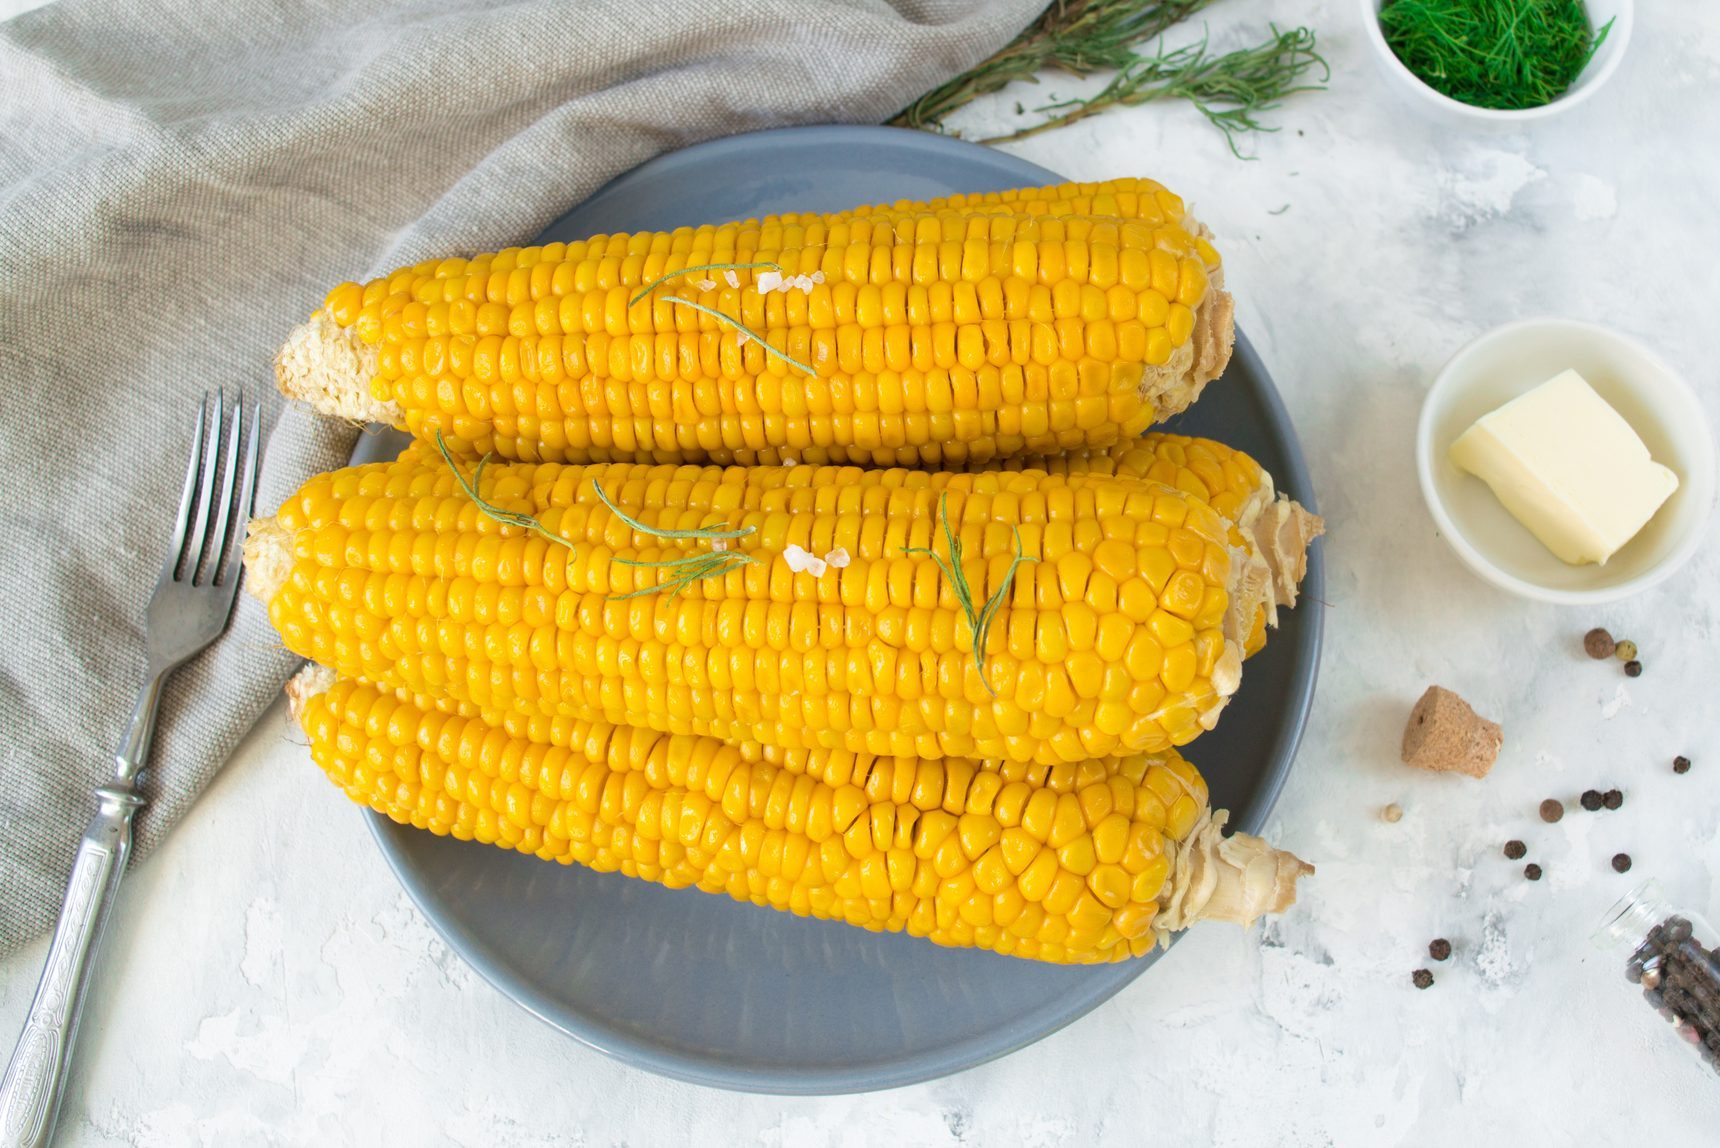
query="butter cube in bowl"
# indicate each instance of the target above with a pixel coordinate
(1566, 462)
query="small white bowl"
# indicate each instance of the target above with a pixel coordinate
(1660, 407)
(1599, 70)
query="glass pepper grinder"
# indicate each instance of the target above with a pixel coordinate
(1673, 956)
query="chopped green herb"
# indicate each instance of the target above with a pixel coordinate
(1503, 54)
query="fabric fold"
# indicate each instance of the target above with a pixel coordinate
(180, 183)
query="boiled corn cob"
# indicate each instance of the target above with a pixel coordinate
(1120, 634)
(1272, 529)
(1077, 863)
(900, 337)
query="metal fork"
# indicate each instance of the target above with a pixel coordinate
(192, 601)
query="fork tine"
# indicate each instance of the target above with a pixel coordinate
(241, 511)
(205, 491)
(184, 517)
(229, 483)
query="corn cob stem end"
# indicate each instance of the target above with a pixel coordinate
(305, 685)
(1172, 386)
(1283, 533)
(330, 367)
(268, 558)
(1238, 878)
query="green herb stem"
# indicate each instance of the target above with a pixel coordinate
(743, 329)
(1086, 37)
(1075, 36)
(693, 568)
(1231, 89)
(697, 534)
(979, 621)
(662, 279)
(490, 509)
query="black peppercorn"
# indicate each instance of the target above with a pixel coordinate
(1591, 799)
(1532, 871)
(1621, 862)
(1633, 669)
(1439, 950)
(1422, 978)
(1681, 764)
(1612, 799)
(1515, 850)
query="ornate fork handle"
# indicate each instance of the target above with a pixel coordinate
(189, 608)
(35, 1080)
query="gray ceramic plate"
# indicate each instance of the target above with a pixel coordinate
(718, 993)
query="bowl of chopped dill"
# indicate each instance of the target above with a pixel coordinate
(1500, 61)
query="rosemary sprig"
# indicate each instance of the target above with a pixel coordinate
(743, 329)
(490, 509)
(1230, 90)
(1075, 36)
(687, 568)
(979, 621)
(1084, 37)
(698, 534)
(662, 279)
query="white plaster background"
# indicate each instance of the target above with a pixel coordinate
(266, 981)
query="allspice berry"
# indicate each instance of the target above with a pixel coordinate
(1552, 810)
(1598, 644)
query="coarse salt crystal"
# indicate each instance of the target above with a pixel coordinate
(790, 462)
(816, 277)
(802, 562)
(838, 557)
(719, 544)
(769, 281)
(705, 284)
(732, 279)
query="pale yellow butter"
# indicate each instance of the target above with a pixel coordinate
(1568, 467)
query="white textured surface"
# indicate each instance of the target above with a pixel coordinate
(268, 983)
